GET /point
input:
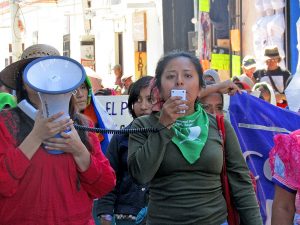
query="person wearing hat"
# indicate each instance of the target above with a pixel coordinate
(266, 92)
(118, 75)
(44, 188)
(248, 68)
(211, 75)
(126, 81)
(274, 75)
(242, 85)
(244, 79)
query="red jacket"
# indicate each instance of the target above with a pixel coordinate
(48, 189)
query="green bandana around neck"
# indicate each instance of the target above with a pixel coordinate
(191, 134)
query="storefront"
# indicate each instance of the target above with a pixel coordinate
(228, 30)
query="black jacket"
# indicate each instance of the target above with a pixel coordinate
(127, 198)
(286, 75)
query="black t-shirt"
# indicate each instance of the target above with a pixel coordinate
(278, 79)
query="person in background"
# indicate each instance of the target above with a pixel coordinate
(105, 91)
(128, 198)
(183, 161)
(266, 92)
(49, 189)
(95, 79)
(4, 89)
(242, 85)
(244, 80)
(248, 68)
(274, 75)
(118, 75)
(7, 101)
(285, 166)
(126, 81)
(211, 75)
(213, 103)
(86, 104)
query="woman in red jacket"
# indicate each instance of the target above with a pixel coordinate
(41, 188)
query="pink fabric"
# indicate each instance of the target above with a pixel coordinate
(287, 148)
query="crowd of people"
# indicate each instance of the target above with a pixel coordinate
(167, 177)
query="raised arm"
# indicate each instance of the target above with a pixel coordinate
(225, 87)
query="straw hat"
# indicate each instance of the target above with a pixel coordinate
(9, 74)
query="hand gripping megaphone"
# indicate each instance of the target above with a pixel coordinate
(54, 78)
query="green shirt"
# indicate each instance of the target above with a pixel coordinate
(185, 194)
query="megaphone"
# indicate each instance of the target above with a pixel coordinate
(54, 78)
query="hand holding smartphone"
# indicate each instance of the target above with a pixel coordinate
(181, 93)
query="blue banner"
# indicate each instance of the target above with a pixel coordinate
(256, 122)
(104, 122)
(293, 16)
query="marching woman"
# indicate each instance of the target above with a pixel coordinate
(183, 161)
(41, 188)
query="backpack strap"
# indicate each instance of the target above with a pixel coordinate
(274, 85)
(221, 127)
(232, 214)
(222, 133)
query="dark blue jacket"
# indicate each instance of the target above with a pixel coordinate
(128, 197)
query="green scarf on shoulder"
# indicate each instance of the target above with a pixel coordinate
(191, 134)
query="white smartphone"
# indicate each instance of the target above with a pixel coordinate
(181, 93)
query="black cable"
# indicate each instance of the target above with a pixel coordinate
(122, 131)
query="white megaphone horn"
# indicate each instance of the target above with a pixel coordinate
(54, 78)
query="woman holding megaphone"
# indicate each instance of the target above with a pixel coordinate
(41, 188)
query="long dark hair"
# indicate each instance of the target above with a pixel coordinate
(135, 90)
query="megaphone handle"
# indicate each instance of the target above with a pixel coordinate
(28, 109)
(54, 151)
